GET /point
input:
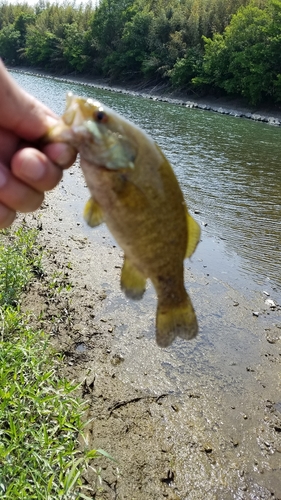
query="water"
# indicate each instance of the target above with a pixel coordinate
(229, 171)
(228, 168)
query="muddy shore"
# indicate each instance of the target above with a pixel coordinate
(200, 420)
(190, 422)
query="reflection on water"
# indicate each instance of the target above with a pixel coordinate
(229, 168)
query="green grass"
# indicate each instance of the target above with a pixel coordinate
(19, 259)
(40, 416)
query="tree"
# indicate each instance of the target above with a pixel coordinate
(243, 60)
(133, 48)
(74, 47)
(40, 46)
(10, 43)
(186, 68)
(23, 20)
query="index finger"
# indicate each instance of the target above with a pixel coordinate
(21, 112)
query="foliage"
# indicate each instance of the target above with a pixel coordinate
(10, 44)
(246, 59)
(74, 47)
(232, 46)
(13, 22)
(40, 416)
(186, 68)
(18, 258)
(40, 46)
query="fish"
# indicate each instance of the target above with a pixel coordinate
(134, 190)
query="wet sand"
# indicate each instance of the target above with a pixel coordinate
(198, 421)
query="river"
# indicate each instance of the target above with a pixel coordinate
(229, 171)
(228, 168)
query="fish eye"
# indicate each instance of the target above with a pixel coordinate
(100, 116)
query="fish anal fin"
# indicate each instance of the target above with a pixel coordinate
(93, 213)
(132, 280)
(193, 235)
(175, 321)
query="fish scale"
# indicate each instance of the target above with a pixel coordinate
(135, 192)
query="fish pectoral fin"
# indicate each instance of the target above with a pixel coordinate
(175, 321)
(193, 235)
(93, 213)
(132, 280)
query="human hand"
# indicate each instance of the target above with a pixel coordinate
(25, 171)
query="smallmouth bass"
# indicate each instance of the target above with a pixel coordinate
(135, 192)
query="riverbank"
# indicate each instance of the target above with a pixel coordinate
(223, 105)
(30, 372)
(200, 420)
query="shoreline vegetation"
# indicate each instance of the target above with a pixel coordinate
(214, 50)
(42, 417)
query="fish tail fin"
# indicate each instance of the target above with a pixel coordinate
(175, 321)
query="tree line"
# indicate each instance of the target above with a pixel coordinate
(198, 46)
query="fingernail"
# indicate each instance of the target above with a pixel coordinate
(64, 157)
(32, 168)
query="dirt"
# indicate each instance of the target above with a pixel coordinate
(201, 420)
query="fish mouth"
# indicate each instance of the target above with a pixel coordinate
(73, 134)
(74, 126)
(91, 135)
(59, 133)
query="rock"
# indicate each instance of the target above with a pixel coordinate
(256, 313)
(222, 111)
(236, 114)
(270, 303)
(272, 340)
(274, 121)
(257, 117)
(204, 107)
(208, 448)
(117, 359)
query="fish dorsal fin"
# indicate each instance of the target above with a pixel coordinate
(93, 213)
(193, 235)
(132, 280)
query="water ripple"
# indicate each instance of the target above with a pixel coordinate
(228, 168)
